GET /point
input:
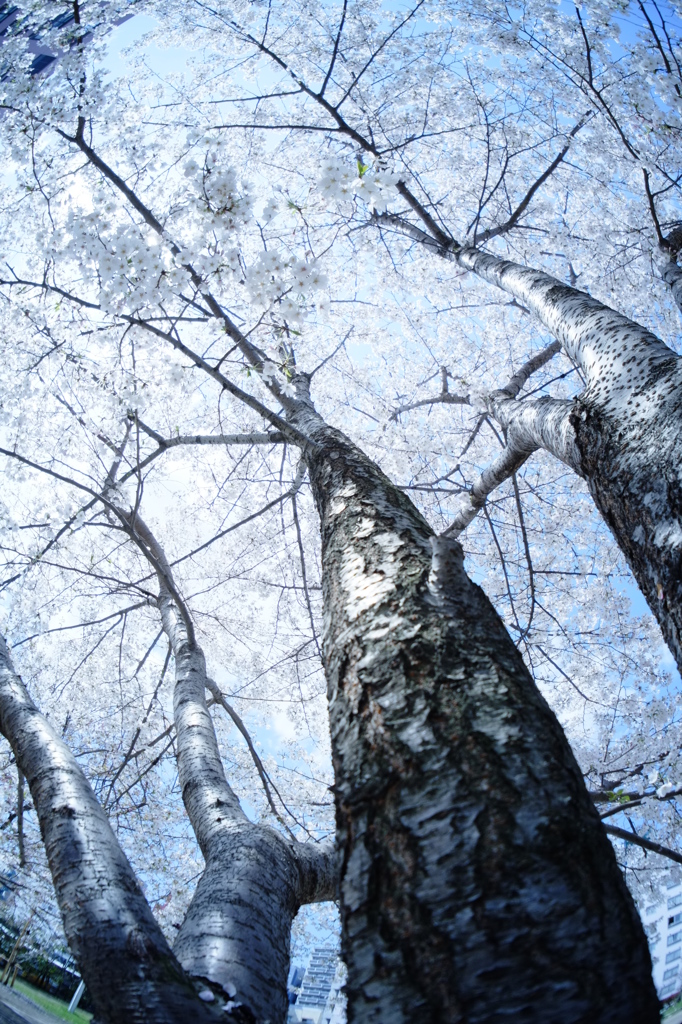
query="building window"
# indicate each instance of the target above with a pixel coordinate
(675, 901)
(674, 938)
(670, 973)
(672, 921)
(675, 955)
(42, 61)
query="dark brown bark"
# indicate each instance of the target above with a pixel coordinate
(477, 883)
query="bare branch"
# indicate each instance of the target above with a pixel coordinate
(219, 698)
(538, 183)
(506, 464)
(535, 363)
(442, 399)
(645, 844)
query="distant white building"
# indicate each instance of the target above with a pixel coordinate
(663, 924)
(45, 57)
(319, 999)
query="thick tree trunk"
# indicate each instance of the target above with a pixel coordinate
(477, 883)
(626, 427)
(236, 934)
(124, 959)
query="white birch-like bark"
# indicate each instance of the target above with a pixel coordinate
(528, 426)
(124, 959)
(671, 273)
(477, 883)
(236, 934)
(545, 423)
(626, 425)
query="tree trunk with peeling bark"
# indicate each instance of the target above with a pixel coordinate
(476, 878)
(476, 882)
(623, 433)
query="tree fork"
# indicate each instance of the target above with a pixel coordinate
(476, 879)
(236, 933)
(626, 425)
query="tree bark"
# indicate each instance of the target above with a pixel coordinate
(477, 883)
(124, 959)
(236, 934)
(672, 275)
(20, 818)
(626, 426)
(528, 426)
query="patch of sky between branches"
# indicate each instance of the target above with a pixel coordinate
(130, 32)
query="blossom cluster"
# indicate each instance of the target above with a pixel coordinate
(288, 281)
(375, 185)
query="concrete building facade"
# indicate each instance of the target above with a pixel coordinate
(316, 996)
(663, 924)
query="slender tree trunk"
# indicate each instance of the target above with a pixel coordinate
(236, 934)
(626, 427)
(124, 959)
(477, 883)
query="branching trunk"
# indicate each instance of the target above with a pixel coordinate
(237, 930)
(545, 423)
(236, 934)
(626, 426)
(124, 959)
(477, 882)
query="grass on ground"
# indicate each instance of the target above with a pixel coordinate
(672, 1008)
(51, 1005)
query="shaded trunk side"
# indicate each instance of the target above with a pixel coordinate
(124, 959)
(634, 472)
(671, 274)
(477, 883)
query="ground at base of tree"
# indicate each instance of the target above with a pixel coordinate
(49, 1004)
(672, 1014)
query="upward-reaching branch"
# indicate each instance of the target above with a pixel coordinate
(513, 220)
(527, 425)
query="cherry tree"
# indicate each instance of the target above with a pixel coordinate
(626, 416)
(156, 291)
(584, 138)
